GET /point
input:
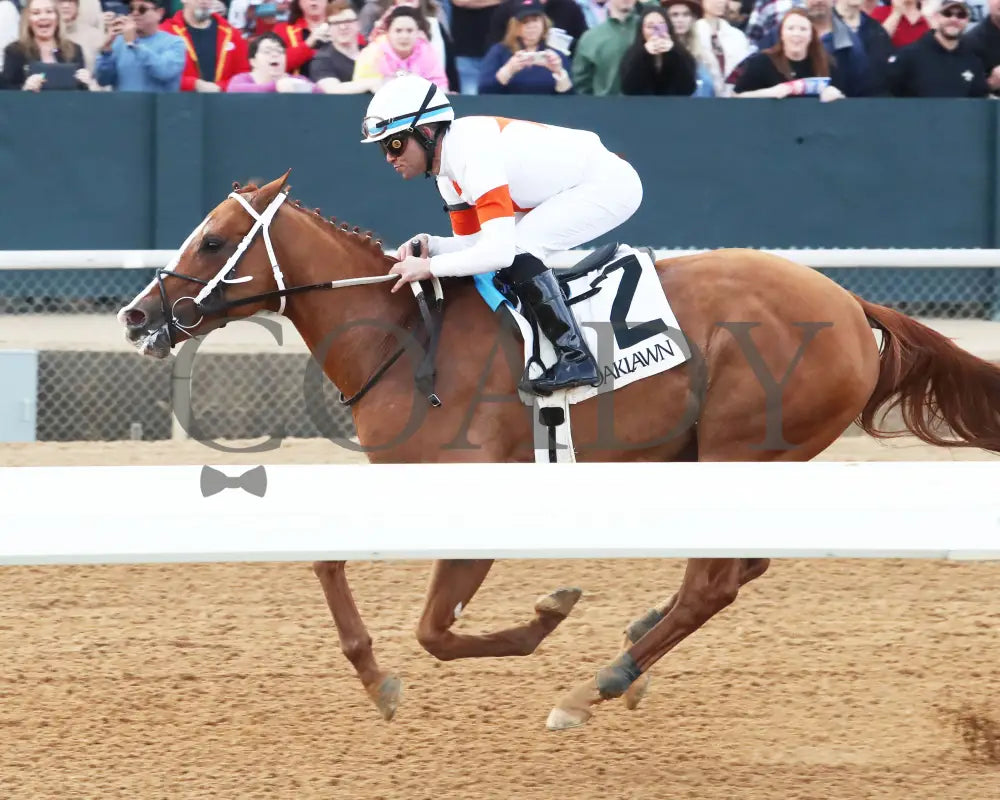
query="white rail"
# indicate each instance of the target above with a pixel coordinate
(360, 512)
(817, 258)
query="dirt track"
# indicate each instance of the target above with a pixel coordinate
(826, 679)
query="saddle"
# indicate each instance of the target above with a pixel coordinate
(618, 300)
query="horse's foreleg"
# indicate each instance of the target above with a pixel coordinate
(356, 644)
(709, 586)
(752, 568)
(452, 585)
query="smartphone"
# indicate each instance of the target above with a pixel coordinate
(660, 29)
(116, 7)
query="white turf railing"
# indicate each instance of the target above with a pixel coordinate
(818, 258)
(937, 510)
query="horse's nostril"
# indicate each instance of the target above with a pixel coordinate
(135, 318)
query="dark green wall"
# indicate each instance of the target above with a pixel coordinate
(123, 171)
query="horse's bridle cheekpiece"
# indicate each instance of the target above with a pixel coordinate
(209, 298)
(253, 481)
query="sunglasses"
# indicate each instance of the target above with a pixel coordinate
(140, 9)
(957, 13)
(394, 145)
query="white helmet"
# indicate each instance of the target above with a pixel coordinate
(402, 104)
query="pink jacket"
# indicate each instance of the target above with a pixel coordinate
(422, 61)
(244, 82)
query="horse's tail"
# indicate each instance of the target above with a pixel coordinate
(933, 382)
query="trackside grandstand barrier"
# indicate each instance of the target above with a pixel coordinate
(817, 258)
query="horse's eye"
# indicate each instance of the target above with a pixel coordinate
(211, 244)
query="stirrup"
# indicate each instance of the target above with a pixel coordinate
(591, 376)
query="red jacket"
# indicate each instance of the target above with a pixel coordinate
(297, 52)
(231, 52)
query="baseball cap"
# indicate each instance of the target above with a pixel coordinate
(528, 8)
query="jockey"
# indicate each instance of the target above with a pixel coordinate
(517, 192)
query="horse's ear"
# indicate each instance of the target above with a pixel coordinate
(267, 193)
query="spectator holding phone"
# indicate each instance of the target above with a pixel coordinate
(41, 40)
(137, 56)
(305, 32)
(566, 15)
(796, 66)
(269, 70)
(521, 63)
(657, 63)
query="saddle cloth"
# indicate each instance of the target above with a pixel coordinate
(628, 324)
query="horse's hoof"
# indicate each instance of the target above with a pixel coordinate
(386, 696)
(562, 720)
(573, 709)
(560, 602)
(634, 694)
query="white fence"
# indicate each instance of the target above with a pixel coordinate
(90, 515)
(818, 258)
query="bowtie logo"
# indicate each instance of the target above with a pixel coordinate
(253, 481)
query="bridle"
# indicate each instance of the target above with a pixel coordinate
(209, 299)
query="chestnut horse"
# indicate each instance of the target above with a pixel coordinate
(784, 360)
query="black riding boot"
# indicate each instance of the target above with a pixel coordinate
(576, 366)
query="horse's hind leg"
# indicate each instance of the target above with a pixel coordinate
(752, 568)
(709, 586)
(356, 644)
(452, 585)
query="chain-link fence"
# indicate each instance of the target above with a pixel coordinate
(101, 395)
(957, 293)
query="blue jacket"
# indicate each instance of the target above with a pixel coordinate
(152, 64)
(530, 80)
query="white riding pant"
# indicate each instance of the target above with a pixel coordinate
(610, 194)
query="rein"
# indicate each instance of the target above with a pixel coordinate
(205, 299)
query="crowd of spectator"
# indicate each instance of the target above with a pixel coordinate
(828, 49)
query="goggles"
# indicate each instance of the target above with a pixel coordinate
(373, 126)
(395, 145)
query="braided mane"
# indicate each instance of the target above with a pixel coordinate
(366, 238)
